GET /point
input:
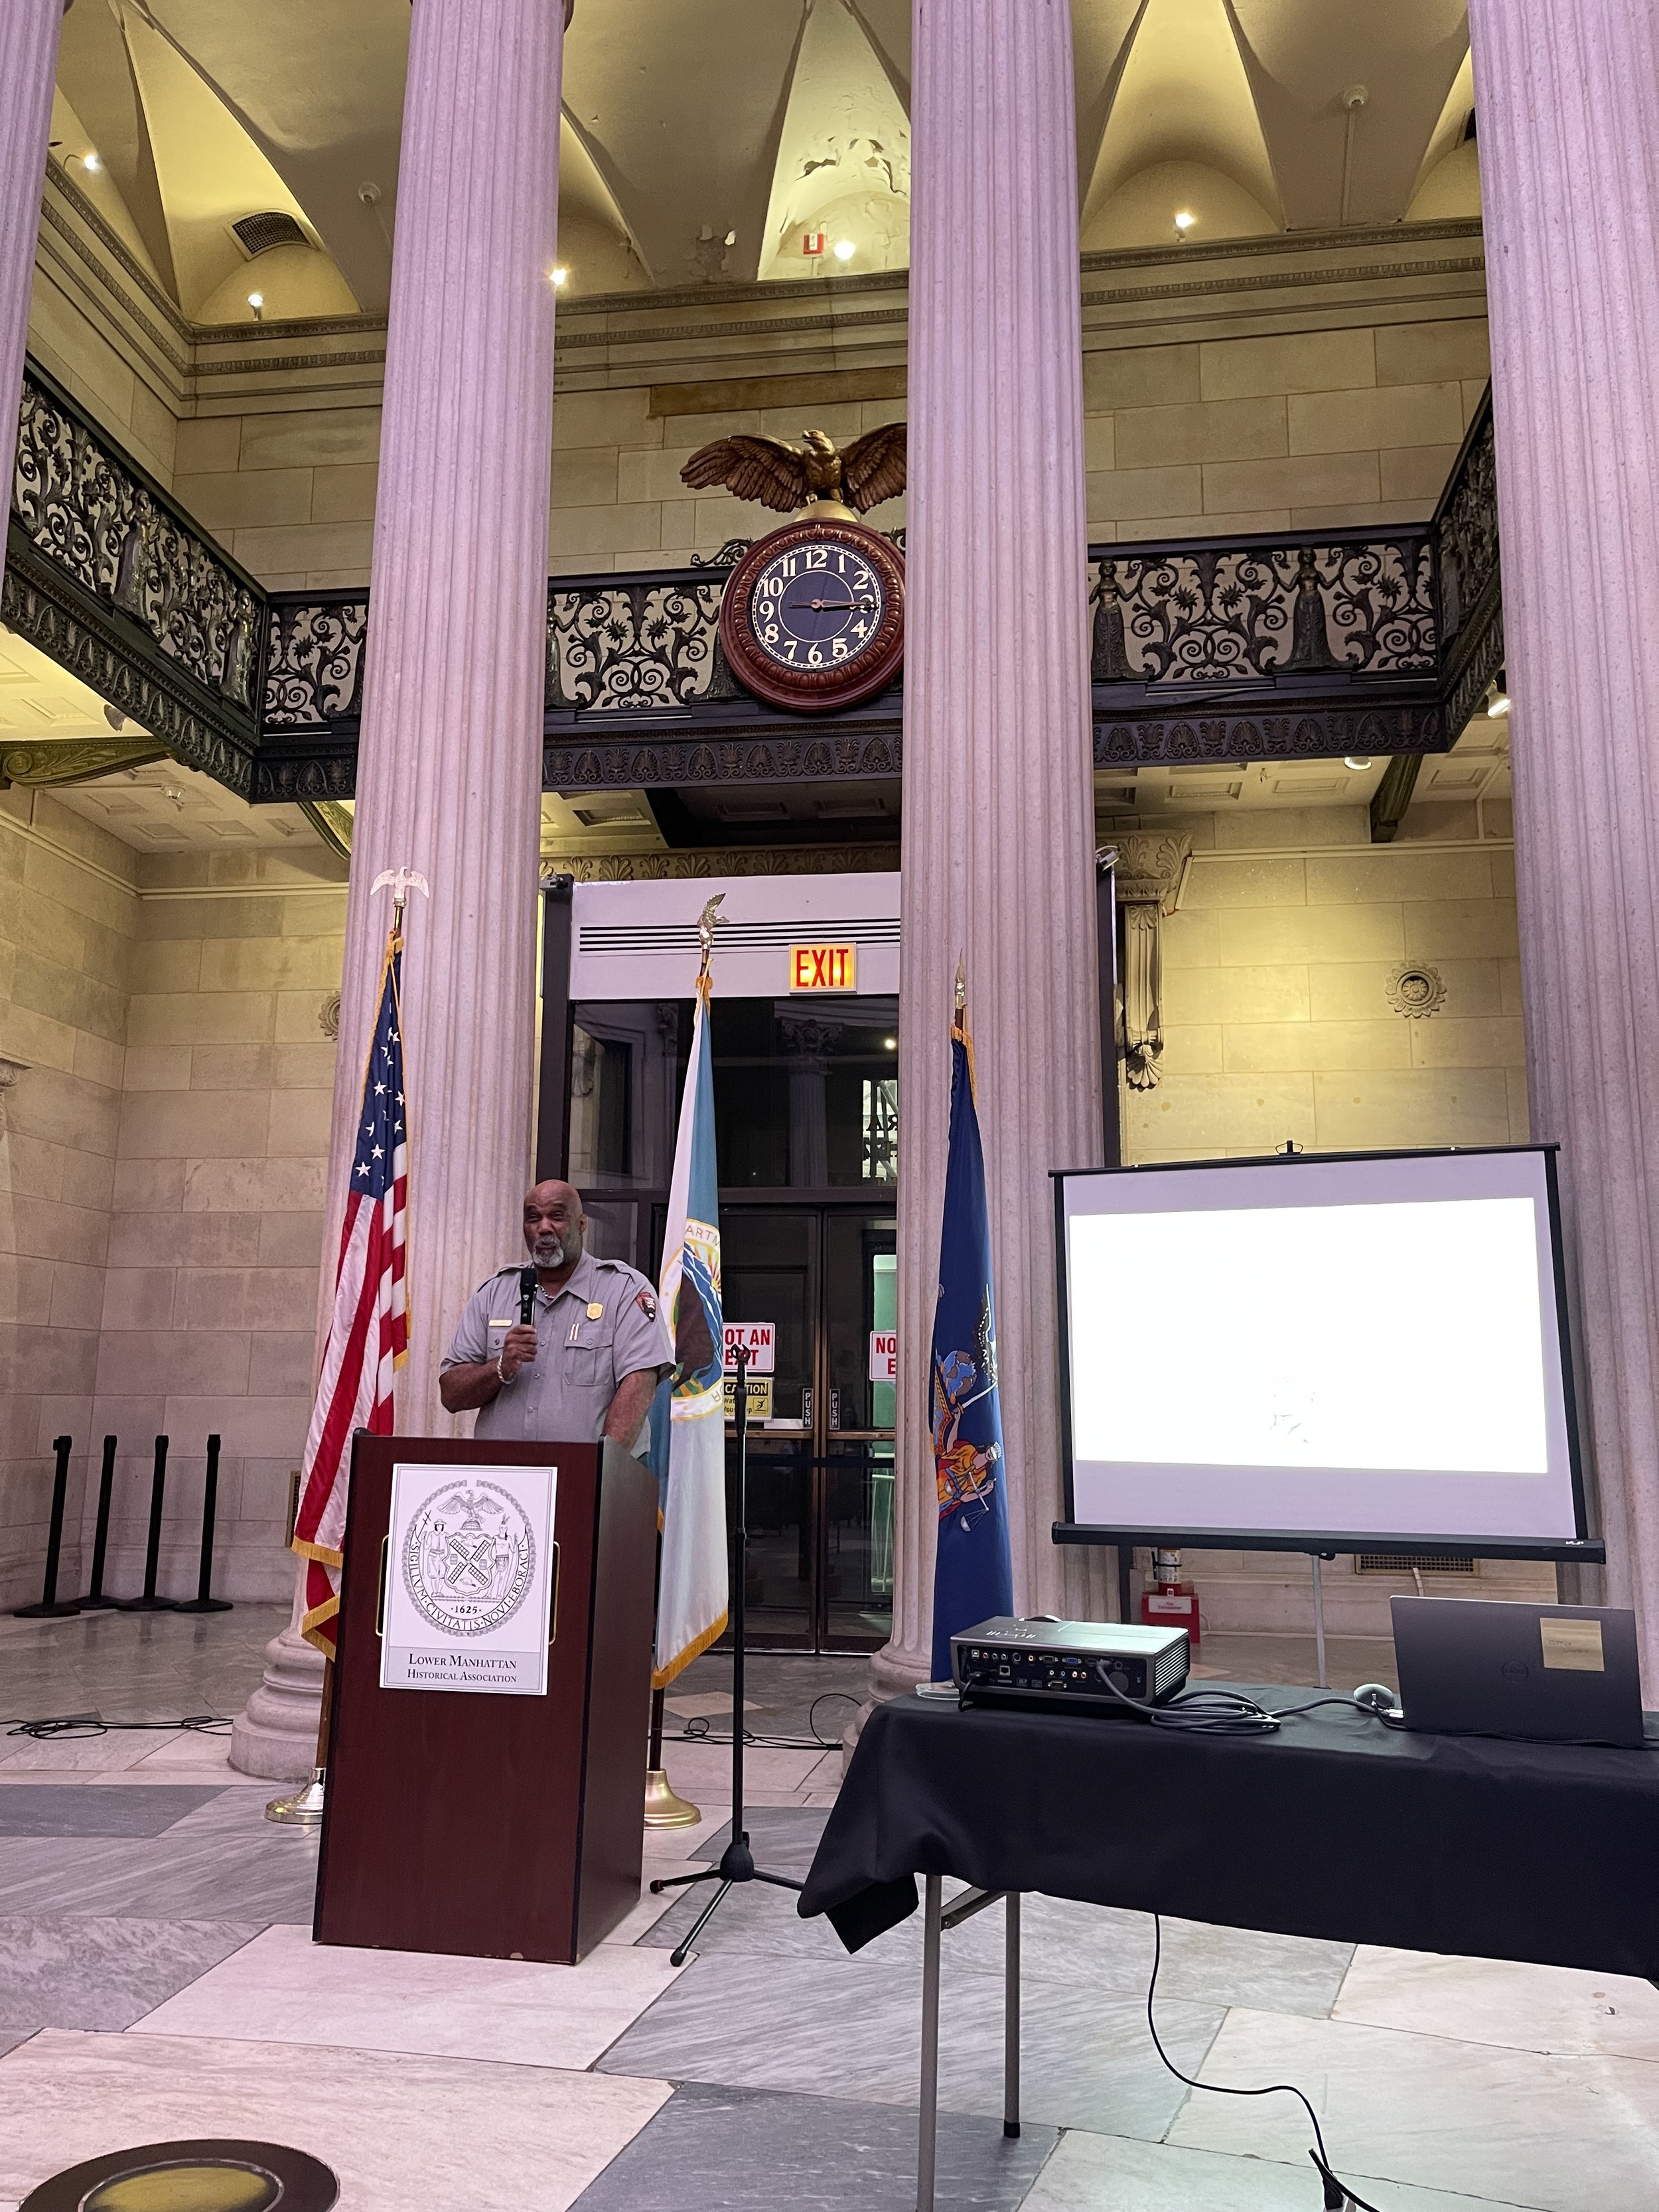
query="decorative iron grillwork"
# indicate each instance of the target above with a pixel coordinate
(645, 646)
(1214, 613)
(314, 674)
(105, 527)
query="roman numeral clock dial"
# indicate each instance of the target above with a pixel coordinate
(813, 615)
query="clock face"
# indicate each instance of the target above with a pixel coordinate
(813, 616)
(816, 606)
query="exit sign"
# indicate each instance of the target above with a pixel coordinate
(823, 967)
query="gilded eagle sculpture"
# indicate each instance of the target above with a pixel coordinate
(816, 475)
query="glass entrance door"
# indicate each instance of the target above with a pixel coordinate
(820, 1497)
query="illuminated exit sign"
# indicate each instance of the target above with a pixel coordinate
(823, 967)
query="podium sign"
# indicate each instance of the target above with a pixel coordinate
(469, 1579)
(495, 1826)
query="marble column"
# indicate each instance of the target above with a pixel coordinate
(1568, 101)
(999, 796)
(449, 761)
(28, 68)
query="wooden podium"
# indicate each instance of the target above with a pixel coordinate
(494, 1826)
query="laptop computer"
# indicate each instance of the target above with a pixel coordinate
(1546, 1674)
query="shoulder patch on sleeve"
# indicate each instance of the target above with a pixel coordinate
(647, 1304)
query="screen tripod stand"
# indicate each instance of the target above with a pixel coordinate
(737, 1860)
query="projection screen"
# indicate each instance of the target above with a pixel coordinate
(1369, 1350)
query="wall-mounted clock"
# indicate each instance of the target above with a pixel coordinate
(813, 615)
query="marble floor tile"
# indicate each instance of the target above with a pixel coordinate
(1081, 1946)
(83, 1755)
(783, 1837)
(694, 1768)
(404, 2133)
(1560, 2133)
(646, 1914)
(283, 1988)
(96, 1973)
(1556, 2008)
(689, 1841)
(196, 1752)
(852, 2029)
(713, 2149)
(188, 1874)
(47, 1808)
(9, 2040)
(1110, 2173)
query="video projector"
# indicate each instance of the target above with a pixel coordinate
(1068, 1663)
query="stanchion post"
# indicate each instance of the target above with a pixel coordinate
(94, 1600)
(204, 1601)
(149, 1602)
(51, 1606)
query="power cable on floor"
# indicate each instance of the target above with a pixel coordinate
(64, 1728)
(1338, 2198)
(700, 1730)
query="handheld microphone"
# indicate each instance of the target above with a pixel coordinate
(526, 1295)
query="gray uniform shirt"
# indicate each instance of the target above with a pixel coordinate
(603, 1325)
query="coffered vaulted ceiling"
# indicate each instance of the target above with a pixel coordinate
(710, 139)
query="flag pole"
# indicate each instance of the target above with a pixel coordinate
(303, 1807)
(664, 1807)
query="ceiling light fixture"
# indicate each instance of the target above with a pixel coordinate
(559, 278)
(91, 163)
(890, 1044)
(845, 249)
(1498, 705)
(257, 301)
(1351, 759)
(1184, 220)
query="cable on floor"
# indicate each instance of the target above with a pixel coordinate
(1338, 2198)
(700, 1730)
(68, 1727)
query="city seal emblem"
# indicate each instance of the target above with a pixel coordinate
(469, 1558)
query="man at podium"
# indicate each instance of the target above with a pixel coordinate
(576, 1358)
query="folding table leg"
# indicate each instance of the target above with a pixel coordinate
(1011, 2020)
(927, 2142)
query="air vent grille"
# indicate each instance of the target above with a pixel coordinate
(258, 234)
(630, 940)
(1402, 1563)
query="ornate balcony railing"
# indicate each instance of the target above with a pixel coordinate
(110, 578)
(1293, 645)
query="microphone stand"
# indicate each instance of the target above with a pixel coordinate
(737, 1860)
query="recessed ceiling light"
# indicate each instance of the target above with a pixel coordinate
(1353, 761)
(891, 1043)
(91, 162)
(845, 249)
(257, 301)
(560, 277)
(1185, 219)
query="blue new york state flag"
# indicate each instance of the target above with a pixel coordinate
(973, 1574)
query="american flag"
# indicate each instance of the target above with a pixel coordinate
(369, 1333)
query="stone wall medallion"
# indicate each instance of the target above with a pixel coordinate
(1414, 990)
(328, 1015)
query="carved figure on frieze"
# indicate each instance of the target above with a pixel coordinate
(816, 473)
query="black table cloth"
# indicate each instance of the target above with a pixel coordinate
(1336, 1827)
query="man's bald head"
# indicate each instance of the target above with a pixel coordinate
(554, 1225)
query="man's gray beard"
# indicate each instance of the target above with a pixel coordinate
(552, 1252)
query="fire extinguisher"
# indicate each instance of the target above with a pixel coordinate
(1166, 1601)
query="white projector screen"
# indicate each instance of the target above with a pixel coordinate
(1360, 1349)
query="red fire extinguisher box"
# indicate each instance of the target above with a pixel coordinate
(1171, 1605)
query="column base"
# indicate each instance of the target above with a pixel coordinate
(895, 1669)
(274, 1736)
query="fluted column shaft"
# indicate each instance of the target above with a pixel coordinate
(28, 68)
(449, 762)
(1568, 99)
(999, 812)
